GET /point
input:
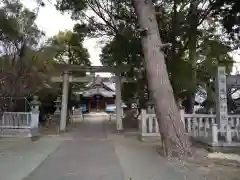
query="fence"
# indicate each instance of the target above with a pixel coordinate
(16, 120)
(77, 115)
(196, 125)
(149, 124)
(19, 124)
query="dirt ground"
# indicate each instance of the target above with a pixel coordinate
(207, 168)
(51, 129)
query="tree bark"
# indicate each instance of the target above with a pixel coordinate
(170, 125)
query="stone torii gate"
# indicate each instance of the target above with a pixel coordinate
(66, 78)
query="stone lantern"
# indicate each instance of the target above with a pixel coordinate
(179, 103)
(211, 110)
(134, 103)
(58, 105)
(150, 107)
(35, 103)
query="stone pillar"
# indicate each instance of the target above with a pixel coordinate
(214, 134)
(182, 113)
(143, 121)
(221, 101)
(228, 134)
(65, 89)
(118, 102)
(35, 103)
(57, 114)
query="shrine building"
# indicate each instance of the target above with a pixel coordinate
(98, 95)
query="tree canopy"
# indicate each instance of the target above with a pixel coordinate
(197, 46)
(19, 49)
(69, 48)
(27, 62)
(228, 12)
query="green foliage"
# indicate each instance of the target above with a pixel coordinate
(179, 24)
(210, 52)
(228, 12)
(17, 24)
(69, 48)
(100, 17)
(25, 66)
(76, 6)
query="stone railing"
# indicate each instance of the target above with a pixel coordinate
(196, 125)
(77, 115)
(16, 120)
(148, 124)
(23, 124)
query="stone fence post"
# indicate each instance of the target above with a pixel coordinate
(215, 133)
(143, 125)
(228, 134)
(182, 117)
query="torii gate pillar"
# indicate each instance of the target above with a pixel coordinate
(118, 102)
(65, 88)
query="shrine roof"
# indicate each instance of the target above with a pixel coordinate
(98, 91)
(106, 89)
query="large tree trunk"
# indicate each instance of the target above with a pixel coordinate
(170, 125)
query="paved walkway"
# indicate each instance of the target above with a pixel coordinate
(140, 161)
(89, 156)
(19, 157)
(92, 152)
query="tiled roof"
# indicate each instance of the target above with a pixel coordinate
(106, 89)
(100, 91)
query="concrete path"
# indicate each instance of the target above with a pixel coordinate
(91, 152)
(19, 157)
(141, 161)
(89, 156)
(95, 153)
